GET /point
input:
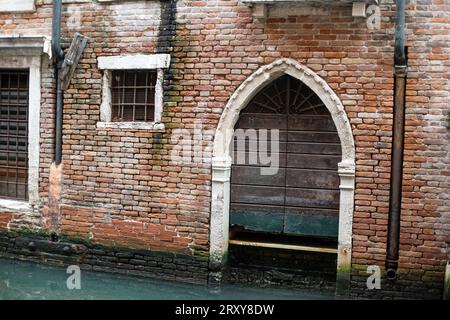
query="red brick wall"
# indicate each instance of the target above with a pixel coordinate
(5, 218)
(119, 186)
(425, 207)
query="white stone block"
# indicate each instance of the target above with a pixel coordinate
(139, 61)
(17, 5)
(359, 9)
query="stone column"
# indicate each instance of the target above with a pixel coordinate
(347, 186)
(220, 206)
(447, 281)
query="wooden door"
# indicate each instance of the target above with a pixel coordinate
(302, 197)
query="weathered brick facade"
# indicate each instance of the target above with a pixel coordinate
(120, 188)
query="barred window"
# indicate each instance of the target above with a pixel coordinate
(133, 95)
(14, 134)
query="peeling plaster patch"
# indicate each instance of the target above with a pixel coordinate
(125, 11)
(74, 17)
(53, 217)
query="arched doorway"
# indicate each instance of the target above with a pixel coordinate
(300, 195)
(222, 160)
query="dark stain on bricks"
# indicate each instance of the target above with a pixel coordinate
(167, 31)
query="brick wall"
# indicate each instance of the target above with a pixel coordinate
(120, 187)
(425, 212)
(164, 265)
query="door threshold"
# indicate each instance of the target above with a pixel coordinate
(296, 247)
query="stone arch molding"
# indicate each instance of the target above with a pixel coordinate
(221, 163)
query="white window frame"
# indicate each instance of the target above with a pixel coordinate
(25, 53)
(157, 62)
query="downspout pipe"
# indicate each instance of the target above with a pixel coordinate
(398, 135)
(59, 59)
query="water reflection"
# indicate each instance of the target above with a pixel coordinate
(25, 280)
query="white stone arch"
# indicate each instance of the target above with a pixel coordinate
(221, 164)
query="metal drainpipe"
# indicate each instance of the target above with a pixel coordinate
(395, 199)
(59, 59)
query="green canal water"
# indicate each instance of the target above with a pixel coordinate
(24, 281)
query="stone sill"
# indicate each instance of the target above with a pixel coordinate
(151, 126)
(137, 61)
(260, 7)
(7, 205)
(17, 6)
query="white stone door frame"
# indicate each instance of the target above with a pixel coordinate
(221, 162)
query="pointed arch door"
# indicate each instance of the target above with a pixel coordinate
(302, 197)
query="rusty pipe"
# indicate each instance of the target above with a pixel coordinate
(398, 137)
(59, 59)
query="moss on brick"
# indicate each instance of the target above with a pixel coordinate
(27, 232)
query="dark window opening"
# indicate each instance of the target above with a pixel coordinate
(14, 134)
(133, 96)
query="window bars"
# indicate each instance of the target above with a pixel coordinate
(133, 95)
(14, 95)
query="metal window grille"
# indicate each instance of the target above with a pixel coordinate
(14, 89)
(133, 95)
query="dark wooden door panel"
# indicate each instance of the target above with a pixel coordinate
(257, 194)
(254, 146)
(251, 175)
(314, 148)
(311, 123)
(263, 218)
(315, 179)
(260, 134)
(262, 121)
(302, 196)
(319, 198)
(259, 208)
(313, 136)
(243, 158)
(311, 211)
(308, 161)
(311, 225)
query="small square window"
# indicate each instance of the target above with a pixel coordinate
(133, 95)
(132, 91)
